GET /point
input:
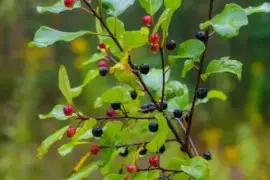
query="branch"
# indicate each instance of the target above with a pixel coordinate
(198, 78)
(163, 77)
(84, 117)
(162, 169)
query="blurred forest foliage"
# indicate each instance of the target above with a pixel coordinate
(236, 131)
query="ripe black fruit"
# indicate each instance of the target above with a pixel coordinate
(207, 155)
(165, 105)
(133, 94)
(97, 131)
(151, 107)
(202, 93)
(163, 177)
(143, 152)
(201, 35)
(162, 149)
(170, 44)
(153, 126)
(124, 153)
(187, 116)
(177, 113)
(134, 66)
(103, 71)
(116, 106)
(144, 68)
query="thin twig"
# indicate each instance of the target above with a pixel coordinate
(85, 10)
(84, 117)
(163, 77)
(198, 78)
(162, 169)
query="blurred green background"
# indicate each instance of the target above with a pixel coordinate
(236, 131)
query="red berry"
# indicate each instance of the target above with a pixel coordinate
(154, 48)
(128, 178)
(95, 149)
(111, 113)
(68, 110)
(69, 3)
(147, 20)
(154, 38)
(71, 132)
(101, 45)
(103, 64)
(154, 161)
(131, 168)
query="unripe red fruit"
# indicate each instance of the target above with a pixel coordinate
(95, 149)
(154, 47)
(131, 168)
(102, 63)
(111, 113)
(101, 45)
(69, 3)
(154, 38)
(128, 178)
(71, 132)
(154, 161)
(68, 110)
(147, 20)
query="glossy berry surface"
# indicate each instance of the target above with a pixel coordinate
(134, 66)
(97, 131)
(68, 110)
(143, 151)
(116, 106)
(154, 161)
(202, 93)
(165, 105)
(124, 153)
(170, 44)
(144, 68)
(153, 126)
(162, 149)
(69, 3)
(147, 20)
(131, 168)
(111, 113)
(177, 113)
(103, 64)
(154, 38)
(133, 94)
(187, 117)
(71, 132)
(207, 155)
(101, 45)
(95, 149)
(201, 35)
(154, 47)
(151, 107)
(103, 71)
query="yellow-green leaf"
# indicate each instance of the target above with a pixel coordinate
(64, 84)
(57, 7)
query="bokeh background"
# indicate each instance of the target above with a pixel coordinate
(236, 131)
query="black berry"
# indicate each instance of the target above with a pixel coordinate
(134, 67)
(202, 93)
(163, 177)
(97, 131)
(187, 117)
(201, 35)
(143, 152)
(133, 94)
(165, 105)
(153, 126)
(103, 71)
(116, 106)
(151, 107)
(162, 149)
(207, 155)
(177, 113)
(170, 44)
(124, 153)
(144, 68)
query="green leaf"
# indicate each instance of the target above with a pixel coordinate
(46, 36)
(175, 88)
(160, 135)
(148, 175)
(91, 74)
(188, 65)
(57, 7)
(151, 6)
(114, 177)
(264, 8)
(66, 149)
(134, 39)
(98, 102)
(229, 21)
(179, 102)
(126, 78)
(112, 131)
(86, 171)
(96, 57)
(116, 94)
(175, 163)
(223, 65)
(48, 142)
(154, 79)
(64, 85)
(197, 168)
(116, 26)
(56, 112)
(108, 166)
(165, 18)
(173, 4)
(213, 94)
(117, 7)
(191, 48)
